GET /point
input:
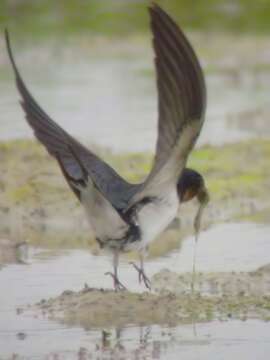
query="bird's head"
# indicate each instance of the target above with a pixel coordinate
(191, 185)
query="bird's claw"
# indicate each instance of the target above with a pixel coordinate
(142, 276)
(118, 286)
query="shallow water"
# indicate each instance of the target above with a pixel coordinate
(103, 96)
(215, 340)
(227, 247)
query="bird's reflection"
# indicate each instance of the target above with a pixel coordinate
(144, 342)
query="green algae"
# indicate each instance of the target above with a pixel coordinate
(31, 184)
(260, 217)
(228, 169)
(46, 17)
(21, 193)
(235, 169)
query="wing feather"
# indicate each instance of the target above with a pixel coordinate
(58, 142)
(181, 103)
(181, 107)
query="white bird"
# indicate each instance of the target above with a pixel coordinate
(128, 216)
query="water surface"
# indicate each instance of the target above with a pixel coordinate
(238, 247)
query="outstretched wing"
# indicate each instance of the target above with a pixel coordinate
(58, 143)
(181, 103)
(107, 222)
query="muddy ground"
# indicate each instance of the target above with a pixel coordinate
(219, 296)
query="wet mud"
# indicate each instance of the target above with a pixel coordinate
(217, 296)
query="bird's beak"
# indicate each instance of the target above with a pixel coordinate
(203, 198)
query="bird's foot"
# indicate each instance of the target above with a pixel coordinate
(142, 276)
(118, 286)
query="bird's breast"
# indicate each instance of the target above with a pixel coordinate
(154, 217)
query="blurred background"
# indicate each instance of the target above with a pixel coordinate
(89, 64)
(123, 17)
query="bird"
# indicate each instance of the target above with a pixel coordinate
(124, 216)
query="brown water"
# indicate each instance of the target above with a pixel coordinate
(237, 247)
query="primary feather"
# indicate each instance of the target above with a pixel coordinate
(181, 102)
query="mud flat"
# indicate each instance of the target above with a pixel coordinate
(216, 284)
(217, 296)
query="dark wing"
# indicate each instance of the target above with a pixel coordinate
(181, 102)
(58, 143)
(106, 221)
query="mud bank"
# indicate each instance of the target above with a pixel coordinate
(217, 296)
(216, 284)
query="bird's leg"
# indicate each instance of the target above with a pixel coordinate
(117, 284)
(142, 275)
